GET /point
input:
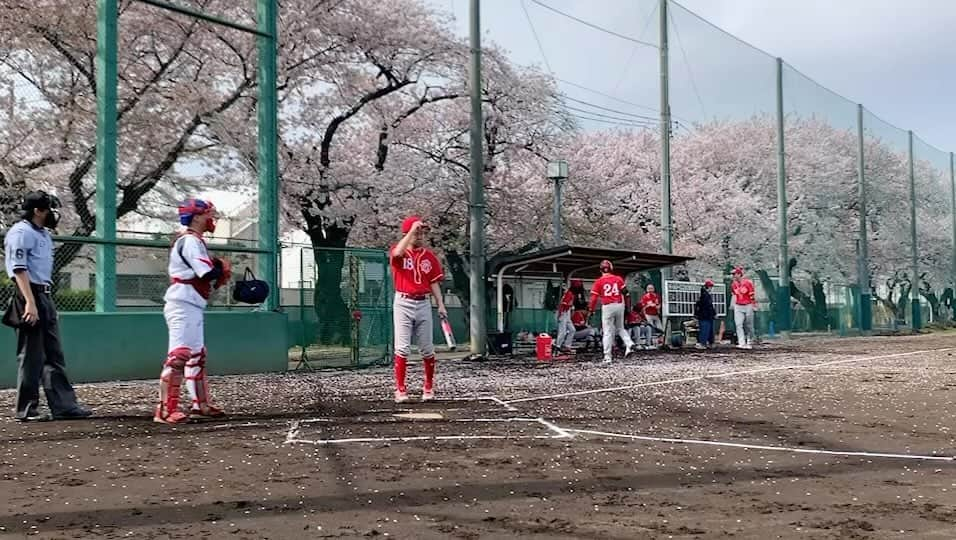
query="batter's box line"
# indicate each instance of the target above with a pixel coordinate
(846, 453)
(294, 432)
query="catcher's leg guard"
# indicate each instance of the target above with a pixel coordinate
(167, 411)
(198, 387)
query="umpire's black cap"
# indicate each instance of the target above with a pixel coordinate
(39, 200)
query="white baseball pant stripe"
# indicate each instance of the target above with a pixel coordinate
(744, 319)
(565, 330)
(612, 324)
(413, 321)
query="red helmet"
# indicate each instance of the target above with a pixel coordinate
(606, 266)
(409, 222)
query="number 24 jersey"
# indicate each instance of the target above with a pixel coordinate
(609, 289)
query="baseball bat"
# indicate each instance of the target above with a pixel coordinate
(449, 335)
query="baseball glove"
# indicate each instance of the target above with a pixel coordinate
(226, 271)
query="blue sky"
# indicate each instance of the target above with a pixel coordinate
(896, 59)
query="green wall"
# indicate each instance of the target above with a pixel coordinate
(130, 346)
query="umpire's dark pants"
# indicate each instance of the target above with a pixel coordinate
(41, 360)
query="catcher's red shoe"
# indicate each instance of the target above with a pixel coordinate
(209, 411)
(175, 417)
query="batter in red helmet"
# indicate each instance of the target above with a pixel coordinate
(193, 274)
(610, 289)
(418, 276)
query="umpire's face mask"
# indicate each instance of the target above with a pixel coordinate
(52, 215)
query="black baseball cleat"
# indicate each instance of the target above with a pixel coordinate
(75, 413)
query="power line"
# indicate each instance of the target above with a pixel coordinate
(536, 39)
(625, 124)
(606, 115)
(588, 103)
(690, 72)
(608, 96)
(594, 26)
(627, 65)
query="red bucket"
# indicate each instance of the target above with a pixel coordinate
(543, 347)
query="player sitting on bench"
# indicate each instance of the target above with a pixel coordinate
(636, 324)
(583, 332)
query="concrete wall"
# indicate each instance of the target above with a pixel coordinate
(129, 346)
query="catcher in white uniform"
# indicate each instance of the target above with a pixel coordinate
(193, 274)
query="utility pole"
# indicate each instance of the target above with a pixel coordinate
(666, 222)
(914, 286)
(477, 310)
(863, 263)
(783, 256)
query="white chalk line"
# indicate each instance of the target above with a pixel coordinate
(293, 436)
(293, 433)
(718, 376)
(421, 438)
(761, 447)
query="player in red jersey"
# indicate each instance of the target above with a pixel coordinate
(745, 302)
(418, 275)
(610, 289)
(565, 324)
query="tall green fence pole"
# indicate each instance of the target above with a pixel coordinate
(863, 264)
(106, 21)
(268, 150)
(952, 193)
(914, 288)
(783, 257)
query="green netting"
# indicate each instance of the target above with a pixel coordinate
(934, 232)
(723, 156)
(888, 219)
(339, 304)
(822, 190)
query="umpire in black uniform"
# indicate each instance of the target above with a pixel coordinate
(28, 250)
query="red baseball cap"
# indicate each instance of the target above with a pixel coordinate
(409, 222)
(739, 270)
(576, 283)
(709, 283)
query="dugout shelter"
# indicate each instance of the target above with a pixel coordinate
(572, 262)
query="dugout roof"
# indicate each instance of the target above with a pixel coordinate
(578, 261)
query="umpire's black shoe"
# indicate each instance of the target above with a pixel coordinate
(33, 416)
(73, 414)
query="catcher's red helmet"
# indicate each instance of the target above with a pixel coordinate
(606, 266)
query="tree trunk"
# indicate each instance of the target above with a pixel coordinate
(771, 287)
(333, 314)
(816, 305)
(934, 301)
(460, 280)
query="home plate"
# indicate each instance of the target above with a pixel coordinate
(420, 416)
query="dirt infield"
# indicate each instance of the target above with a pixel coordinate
(823, 438)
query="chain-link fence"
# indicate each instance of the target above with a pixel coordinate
(141, 276)
(339, 304)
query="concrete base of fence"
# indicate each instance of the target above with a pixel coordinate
(130, 346)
